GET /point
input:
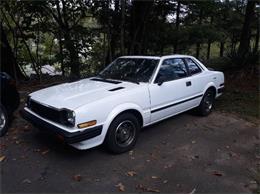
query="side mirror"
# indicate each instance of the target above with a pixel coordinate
(161, 80)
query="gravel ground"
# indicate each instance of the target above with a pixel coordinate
(184, 154)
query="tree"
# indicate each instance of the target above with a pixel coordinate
(67, 16)
(244, 45)
(8, 61)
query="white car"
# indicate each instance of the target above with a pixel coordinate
(131, 93)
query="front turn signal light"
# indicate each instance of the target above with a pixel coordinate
(87, 124)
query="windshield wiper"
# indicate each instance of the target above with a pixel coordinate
(131, 80)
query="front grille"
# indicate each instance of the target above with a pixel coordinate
(45, 112)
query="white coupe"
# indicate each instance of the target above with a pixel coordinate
(131, 93)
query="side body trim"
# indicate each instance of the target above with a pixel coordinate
(174, 104)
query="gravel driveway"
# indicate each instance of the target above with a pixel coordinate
(184, 154)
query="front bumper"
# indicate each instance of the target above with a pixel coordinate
(68, 137)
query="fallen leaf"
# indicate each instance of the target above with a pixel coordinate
(154, 177)
(168, 166)
(145, 189)
(152, 190)
(193, 191)
(26, 128)
(217, 173)
(164, 142)
(121, 187)
(2, 158)
(27, 181)
(77, 177)
(165, 181)
(131, 173)
(45, 152)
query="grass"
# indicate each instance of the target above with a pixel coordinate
(243, 103)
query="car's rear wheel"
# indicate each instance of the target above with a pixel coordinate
(207, 103)
(4, 120)
(122, 133)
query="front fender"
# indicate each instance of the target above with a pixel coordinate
(121, 108)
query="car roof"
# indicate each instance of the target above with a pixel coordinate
(159, 57)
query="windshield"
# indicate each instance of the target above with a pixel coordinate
(130, 69)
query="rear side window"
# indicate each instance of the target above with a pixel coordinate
(192, 66)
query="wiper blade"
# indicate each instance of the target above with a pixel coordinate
(132, 81)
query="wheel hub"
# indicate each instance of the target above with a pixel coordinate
(208, 101)
(125, 132)
(2, 119)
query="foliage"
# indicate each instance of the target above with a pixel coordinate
(83, 36)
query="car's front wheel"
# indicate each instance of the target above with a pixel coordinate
(4, 119)
(122, 133)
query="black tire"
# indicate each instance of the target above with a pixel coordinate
(207, 103)
(123, 127)
(4, 120)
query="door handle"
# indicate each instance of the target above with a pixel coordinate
(188, 83)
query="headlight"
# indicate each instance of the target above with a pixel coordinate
(68, 117)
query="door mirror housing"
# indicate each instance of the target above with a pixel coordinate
(161, 80)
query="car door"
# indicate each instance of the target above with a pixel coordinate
(170, 97)
(198, 78)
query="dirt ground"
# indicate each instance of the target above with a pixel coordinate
(184, 154)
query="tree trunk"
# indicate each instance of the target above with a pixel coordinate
(177, 24)
(209, 40)
(61, 55)
(122, 31)
(221, 49)
(198, 42)
(197, 50)
(208, 49)
(244, 45)
(8, 61)
(256, 46)
(34, 65)
(73, 54)
(139, 16)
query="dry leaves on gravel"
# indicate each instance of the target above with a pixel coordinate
(2, 158)
(77, 177)
(131, 173)
(217, 173)
(120, 187)
(147, 189)
(45, 152)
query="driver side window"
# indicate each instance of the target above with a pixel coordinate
(172, 69)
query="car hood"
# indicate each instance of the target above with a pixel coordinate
(73, 95)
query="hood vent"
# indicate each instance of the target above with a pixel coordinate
(105, 80)
(116, 89)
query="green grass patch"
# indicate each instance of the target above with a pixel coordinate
(243, 103)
